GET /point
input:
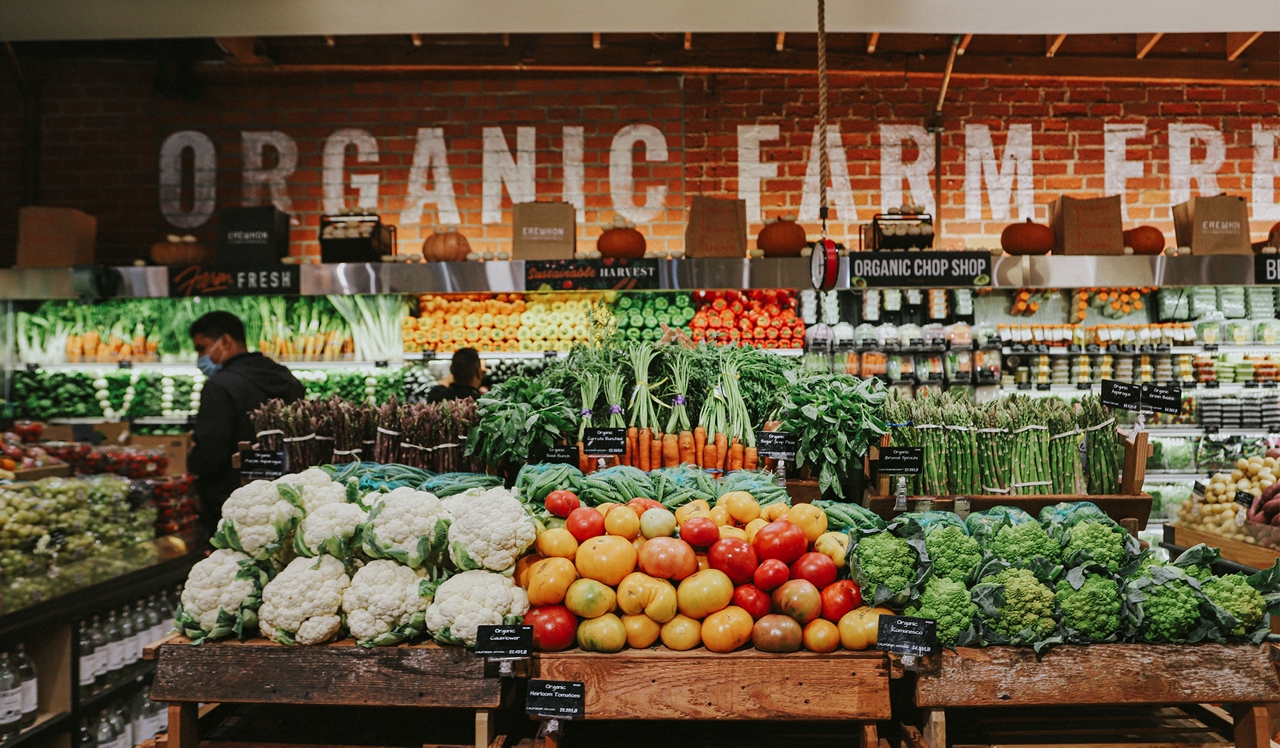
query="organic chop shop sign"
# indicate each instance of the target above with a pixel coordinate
(920, 268)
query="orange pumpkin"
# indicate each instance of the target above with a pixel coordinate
(1145, 240)
(1027, 238)
(782, 238)
(179, 250)
(621, 240)
(1273, 236)
(446, 246)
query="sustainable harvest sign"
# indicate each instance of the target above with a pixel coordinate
(596, 275)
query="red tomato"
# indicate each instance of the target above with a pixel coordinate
(815, 567)
(840, 598)
(736, 558)
(562, 503)
(799, 599)
(667, 558)
(585, 523)
(699, 532)
(554, 627)
(642, 505)
(782, 540)
(770, 574)
(753, 600)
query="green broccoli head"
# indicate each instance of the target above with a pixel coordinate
(1170, 611)
(1028, 604)
(947, 602)
(1103, 543)
(1093, 611)
(954, 554)
(1234, 594)
(1019, 544)
(886, 559)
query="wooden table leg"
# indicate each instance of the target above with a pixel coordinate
(1252, 728)
(935, 728)
(184, 722)
(486, 727)
(869, 737)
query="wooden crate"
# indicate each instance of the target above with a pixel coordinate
(662, 684)
(1245, 554)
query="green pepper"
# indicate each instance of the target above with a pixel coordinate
(624, 301)
(633, 334)
(661, 303)
(651, 321)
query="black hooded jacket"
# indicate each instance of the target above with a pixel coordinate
(244, 383)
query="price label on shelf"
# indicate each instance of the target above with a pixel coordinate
(779, 445)
(604, 441)
(260, 464)
(561, 454)
(901, 460)
(504, 641)
(907, 636)
(1244, 499)
(1121, 395)
(556, 699)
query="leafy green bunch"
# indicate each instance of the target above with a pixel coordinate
(519, 419)
(835, 418)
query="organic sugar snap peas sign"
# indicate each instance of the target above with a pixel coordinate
(919, 269)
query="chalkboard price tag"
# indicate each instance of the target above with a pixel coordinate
(902, 460)
(1162, 398)
(907, 636)
(261, 464)
(605, 441)
(561, 454)
(556, 699)
(1210, 347)
(549, 354)
(1043, 386)
(779, 445)
(125, 365)
(1121, 395)
(1197, 491)
(1084, 385)
(504, 641)
(428, 356)
(1024, 385)
(1244, 499)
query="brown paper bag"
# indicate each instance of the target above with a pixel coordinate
(544, 231)
(1217, 225)
(1087, 227)
(717, 228)
(55, 237)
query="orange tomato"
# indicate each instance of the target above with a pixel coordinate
(607, 558)
(860, 627)
(704, 593)
(603, 634)
(720, 515)
(587, 598)
(821, 635)
(668, 558)
(726, 630)
(642, 631)
(557, 542)
(681, 633)
(623, 522)
(549, 580)
(641, 593)
(522, 569)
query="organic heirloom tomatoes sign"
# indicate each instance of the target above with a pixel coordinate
(610, 273)
(198, 281)
(556, 699)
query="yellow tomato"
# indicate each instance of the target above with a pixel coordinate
(742, 507)
(549, 580)
(860, 627)
(720, 515)
(603, 634)
(641, 593)
(703, 593)
(704, 563)
(810, 518)
(522, 569)
(622, 522)
(691, 510)
(821, 635)
(774, 511)
(753, 527)
(729, 531)
(604, 509)
(642, 631)
(638, 543)
(726, 630)
(587, 598)
(834, 545)
(607, 559)
(557, 542)
(681, 633)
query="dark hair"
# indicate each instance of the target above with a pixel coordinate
(216, 324)
(465, 366)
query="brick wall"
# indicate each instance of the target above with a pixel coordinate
(104, 127)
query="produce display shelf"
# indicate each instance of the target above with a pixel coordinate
(1118, 507)
(1246, 555)
(1173, 350)
(1187, 388)
(1156, 476)
(1240, 675)
(45, 724)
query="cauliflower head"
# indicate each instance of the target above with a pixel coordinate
(300, 606)
(954, 554)
(407, 526)
(471, 599)
(1234, 594)
(1092, 610)
(386, 603)
(1169, 605)
(947, 602)
(314, 488)
(1026, 613)
(331, 529)
(221, 597)
(1099, 542)
(885, 559)
(256, 519)
(1020, 544)
(490, 531)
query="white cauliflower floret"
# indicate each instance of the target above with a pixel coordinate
(255, 519)
(407, 526)
(385, 603)
(301, 604)
(490, 531)
(329, 529)
(315, 489)
(311, 478)
(221, 596)
(472, 599)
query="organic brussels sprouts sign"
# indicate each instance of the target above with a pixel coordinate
(919, 269)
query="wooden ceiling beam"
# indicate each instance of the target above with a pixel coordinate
(1053, 42)
(964, 43)
(1239, 41)
(872, 42)
(241, 50)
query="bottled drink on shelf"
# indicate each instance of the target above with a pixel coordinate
(155, 621)
(119, 717)
(10, 697)
(115, 648)
(141, 629)
(26, 670)
(132, 652)
(84, 736)
(101, 657)
(88, 662)
(103, 734)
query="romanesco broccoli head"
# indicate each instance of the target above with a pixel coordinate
(954, 554)
(1199, 572)
(947, 602)
(1103, 543)
(1028, 604)
(1170, 611)
(886, 559)
(1093, 610)
(1019, 544)
(1234, 594)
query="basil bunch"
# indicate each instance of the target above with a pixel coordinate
(519, 419)
(835, 418)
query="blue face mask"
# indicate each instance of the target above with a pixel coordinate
(207, 366)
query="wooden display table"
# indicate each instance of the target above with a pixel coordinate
(343, 673)
(1240, 675)
(662, 684)
(1244, 554)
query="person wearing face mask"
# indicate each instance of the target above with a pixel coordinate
(238, 383)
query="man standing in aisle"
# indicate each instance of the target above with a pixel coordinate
(466, 372)
(239, 382)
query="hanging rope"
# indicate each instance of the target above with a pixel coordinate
(824, 165)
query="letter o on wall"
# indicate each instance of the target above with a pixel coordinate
(205, 179)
